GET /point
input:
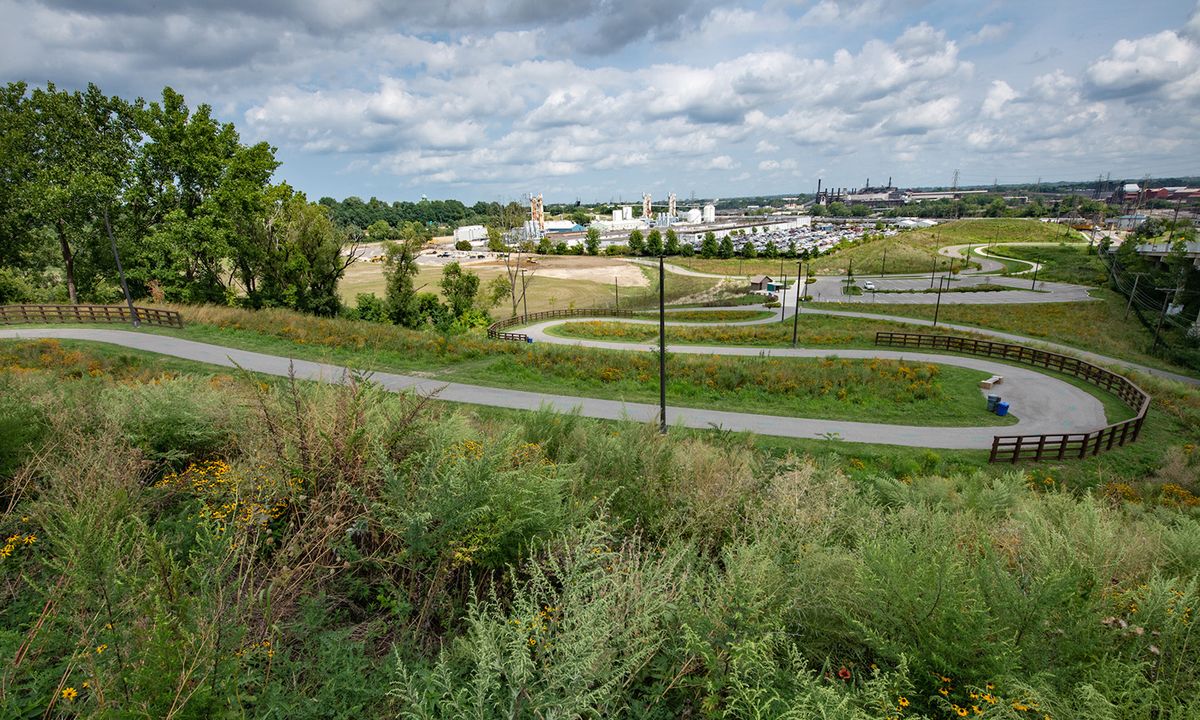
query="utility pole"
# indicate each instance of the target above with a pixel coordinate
(617, 292)
(1136, 276)
(783, 299)
(1036, 266)
(1174, 222)
(796, 315)
(932, 272)
(120, 271)
(1162, 315)
(524, 301)
(937, 308)
(662, 348)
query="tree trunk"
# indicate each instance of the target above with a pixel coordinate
(68, 261)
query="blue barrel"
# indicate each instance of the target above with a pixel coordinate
(1001, 409)
(992, 400)
(528, 339)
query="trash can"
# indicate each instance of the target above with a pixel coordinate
(1001, 409)
(528, 339)
(992, 400)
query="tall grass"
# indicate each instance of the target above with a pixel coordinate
(423, 562)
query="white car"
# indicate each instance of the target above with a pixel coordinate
(868, 285)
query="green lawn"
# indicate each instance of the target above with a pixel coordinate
(837, 389)
(909, 252)
(1072, 263)
(1099, 326)
(712, 316)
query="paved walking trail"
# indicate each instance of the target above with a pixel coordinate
(1043, 404)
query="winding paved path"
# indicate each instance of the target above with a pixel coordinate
(1044, 404)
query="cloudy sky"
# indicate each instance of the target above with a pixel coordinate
(488, 100)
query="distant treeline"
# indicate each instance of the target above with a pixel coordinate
(359, 213)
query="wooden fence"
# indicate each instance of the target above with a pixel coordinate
(495, 330)
(13, 314)
(1014, 448)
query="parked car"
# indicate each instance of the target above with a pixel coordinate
(868, 285)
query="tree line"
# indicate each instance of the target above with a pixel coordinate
(193, 211)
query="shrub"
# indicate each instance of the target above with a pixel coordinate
(176, 420)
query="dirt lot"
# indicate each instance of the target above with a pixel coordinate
(554, 282)
(593, 269)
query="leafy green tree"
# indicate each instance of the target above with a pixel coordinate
(426, 310)
(459, 287)
(302, 259)
(495, 292)
(399, 269)
(708, 246)
(496, 240)
(770, 250)
(748, 250)
(368, 306)
(545, 246)
(560, 248)
(71, 153)
(381, 230)
(200, 194)
(725, 249)
(463, 245)
(672, 242)
(791, 251)
(592, 242)
(654, 243)
(637, 244)
(687, 250)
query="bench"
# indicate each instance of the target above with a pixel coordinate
(993, 380)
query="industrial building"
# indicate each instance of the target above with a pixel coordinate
(470, 233)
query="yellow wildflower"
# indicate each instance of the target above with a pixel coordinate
(70, 693)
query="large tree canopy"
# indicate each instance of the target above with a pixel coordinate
(193, 209)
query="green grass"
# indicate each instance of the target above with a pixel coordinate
(812, 331)
(568, 371)
(908, 252)
(371, 346)
(1075, 263)
(837, 389)
(711, 316)
(735, 301)
(985, 231)
(1099, 326)
(981, 287)
(1173, 423)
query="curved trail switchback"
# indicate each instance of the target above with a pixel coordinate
(1044, 404)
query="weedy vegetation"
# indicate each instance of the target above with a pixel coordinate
(180, 543)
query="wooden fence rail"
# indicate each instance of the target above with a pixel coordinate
(13, 314)
(495, 330)
(1014, 448)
